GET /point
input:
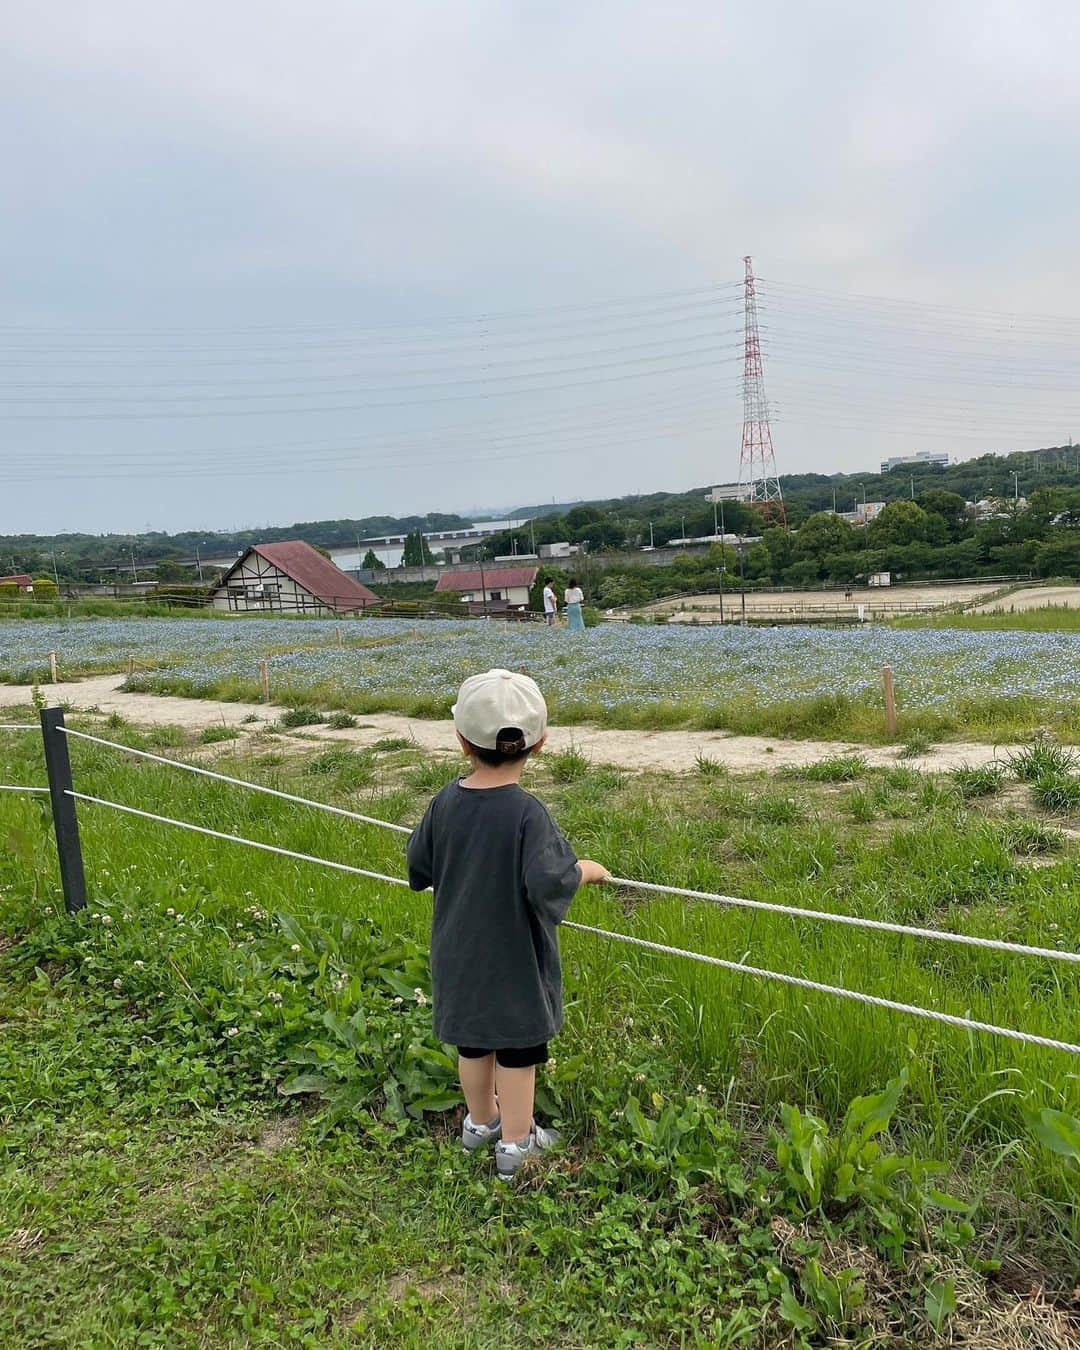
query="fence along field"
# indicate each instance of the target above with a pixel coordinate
(740, 1035)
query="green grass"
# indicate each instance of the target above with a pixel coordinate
(139, 1194)
(1045, 619)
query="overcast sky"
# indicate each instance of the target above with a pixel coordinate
(267, 262)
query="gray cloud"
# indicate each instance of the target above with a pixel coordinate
(362, 167)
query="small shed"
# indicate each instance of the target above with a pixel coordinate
(19, 580)
(289, 578)
(491, 589)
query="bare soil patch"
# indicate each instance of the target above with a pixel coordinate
(674, 751)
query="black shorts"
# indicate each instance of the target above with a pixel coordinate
(521, 1057)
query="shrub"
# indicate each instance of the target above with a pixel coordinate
(301, 717)
(341, 721)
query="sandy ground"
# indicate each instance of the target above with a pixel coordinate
(676, 751)
(877, 600)
(1031, 597)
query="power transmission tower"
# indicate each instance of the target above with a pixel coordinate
(758, 479)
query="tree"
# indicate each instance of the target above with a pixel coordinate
(950, 506)
(1060, 556)
(822, 533)
(902, 522)
(417, 553)
(372, 562)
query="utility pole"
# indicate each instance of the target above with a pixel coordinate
(912, 487)
(134, 571)
(714, 517)
(742, 579)
(483, 586)
(56, 576)
(650, 538)
(684, 531)
(1016, 488)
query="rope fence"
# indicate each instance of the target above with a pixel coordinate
(19, 787)
(64, 798)
(738, 902)
(871, 1000)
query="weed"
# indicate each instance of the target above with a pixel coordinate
(209, 735)
(1058, 792)
(250, 719)
(774, 808)
(352, 768)
(567, 766)
(1040, 759)
(341, 721)
(861, 804)
(901, 778)
(981, 781)
(916, 744)
(165, 737)
(837, 769)
(300, 717)
(1029, 837)
(708, 767)
(395, 743)
(434, 773)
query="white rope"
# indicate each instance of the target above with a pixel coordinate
(792, 911)
(18, 726)
(235, 838)
(713, 898)
(994, 944)
(239, 782)
(5, 788)
(871, 999)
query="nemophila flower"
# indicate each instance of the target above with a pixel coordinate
(138, 964)
(118, 983)
(48, 909)
(170, 911)
(233, 1031)
(397, 999)
(106, 919)
(421, 997)
(275, 997)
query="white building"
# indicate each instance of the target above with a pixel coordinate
(922, 459)
(729, 492)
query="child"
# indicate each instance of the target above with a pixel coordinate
(503, 876)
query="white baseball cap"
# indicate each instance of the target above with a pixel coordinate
(488, 703)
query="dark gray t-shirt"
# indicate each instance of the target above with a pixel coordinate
(504, 876)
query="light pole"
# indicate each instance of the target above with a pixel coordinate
(1016, 488)
(742, 579)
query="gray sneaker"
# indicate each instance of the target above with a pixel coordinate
(511, 1157)
(474, 1136)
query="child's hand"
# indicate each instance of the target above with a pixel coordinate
(592, 872)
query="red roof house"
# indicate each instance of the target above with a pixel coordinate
(493, 587)
(19, 579)
(291, 577)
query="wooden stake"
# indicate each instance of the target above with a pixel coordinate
(264, 680)
(890, 700)
(131, 665)
(339, 643)
(52, 668)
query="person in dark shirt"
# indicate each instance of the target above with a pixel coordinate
(503, 876)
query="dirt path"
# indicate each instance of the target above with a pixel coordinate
(674, 750)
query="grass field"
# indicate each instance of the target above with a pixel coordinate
(157, 1188)
(816, 683)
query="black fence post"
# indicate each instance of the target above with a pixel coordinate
(65, 821)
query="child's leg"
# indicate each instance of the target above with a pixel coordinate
(478, 1083)
(516, 1089)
